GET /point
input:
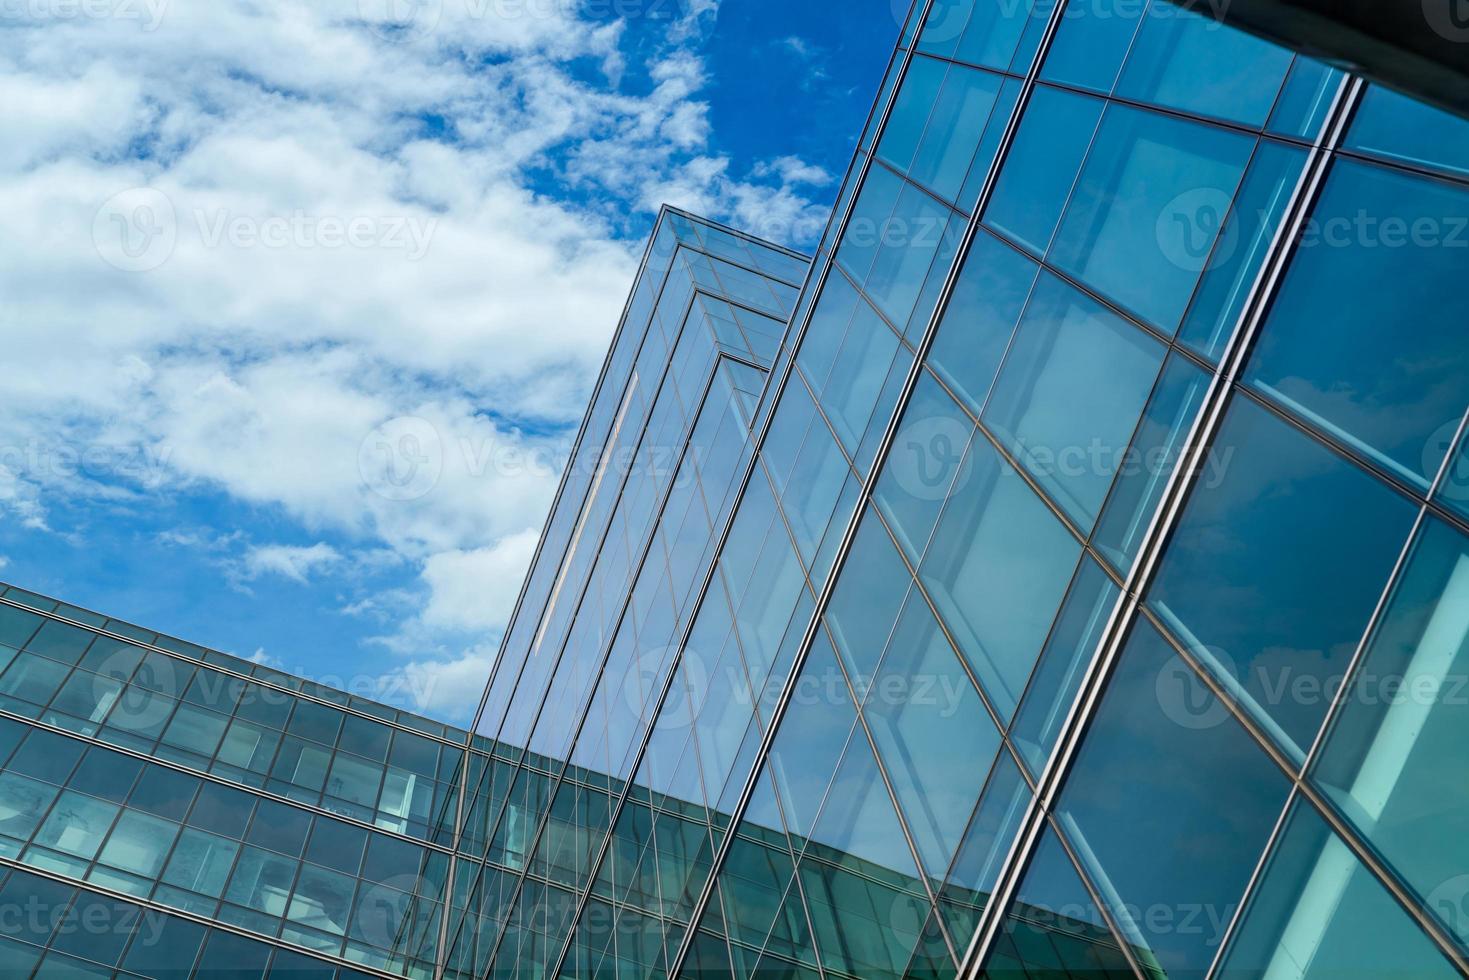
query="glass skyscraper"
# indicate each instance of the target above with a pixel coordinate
(1063, 574)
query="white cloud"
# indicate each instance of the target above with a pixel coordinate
(294, 563)
(469, 588)
(449, 688)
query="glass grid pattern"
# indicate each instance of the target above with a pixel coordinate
(843, 675)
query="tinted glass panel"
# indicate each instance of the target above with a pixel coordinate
(1319, 915)
(1148, 738)
(1260, 580)
(1067, 423)
(1326, 351)
(1404, 726)
(1148, 209)
(1041, 167)
(998, 567)
(1185, 60)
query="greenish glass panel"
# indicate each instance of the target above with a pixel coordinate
(1318, 914)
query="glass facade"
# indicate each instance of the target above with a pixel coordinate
(1065, 573)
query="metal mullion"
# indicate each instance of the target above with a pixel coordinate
(1459, 180)
(1165, 517)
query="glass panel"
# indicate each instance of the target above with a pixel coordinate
(1239, 253)
(139, 843)
(77, 825)
(1066, 423)
(1319, 915)
(1309, 91)
(1259, 579)
(1325, 351)
(1042, 165)
(967, 888)
(1058, 676)
(1148, 209)
(959, 118)
(1189, 61)
(985, 304)
(865, 603)
(1397, 127)
(1147, 738)
(1403, 728)
(911, 111)
(1151, 460)
(913, 235)
(1054, 928)
(1092, 42)
(930, 727)
(998, 567)
(928, 458)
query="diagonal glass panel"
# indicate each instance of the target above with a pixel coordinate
(1403, 727)
(997, 571)
(1065, 422)
(1318, 914)
(932, 731)
(1259, 579)
(1169, 852)
(1054, 928)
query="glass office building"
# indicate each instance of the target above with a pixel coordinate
(1063, 574)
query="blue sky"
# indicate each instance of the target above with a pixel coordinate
(247, 241)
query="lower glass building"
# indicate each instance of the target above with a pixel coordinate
(1063, 573)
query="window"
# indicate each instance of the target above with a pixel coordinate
(1186, 60)
(1404, 723)
(1327, 351)
(997, 570)
(992, 289)
(1065, 421)
(1318, 910)
(931, 730)
(1041, 167)
(1144, 808)
(1397, 127)
(1148, 208)
(1259, 578)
